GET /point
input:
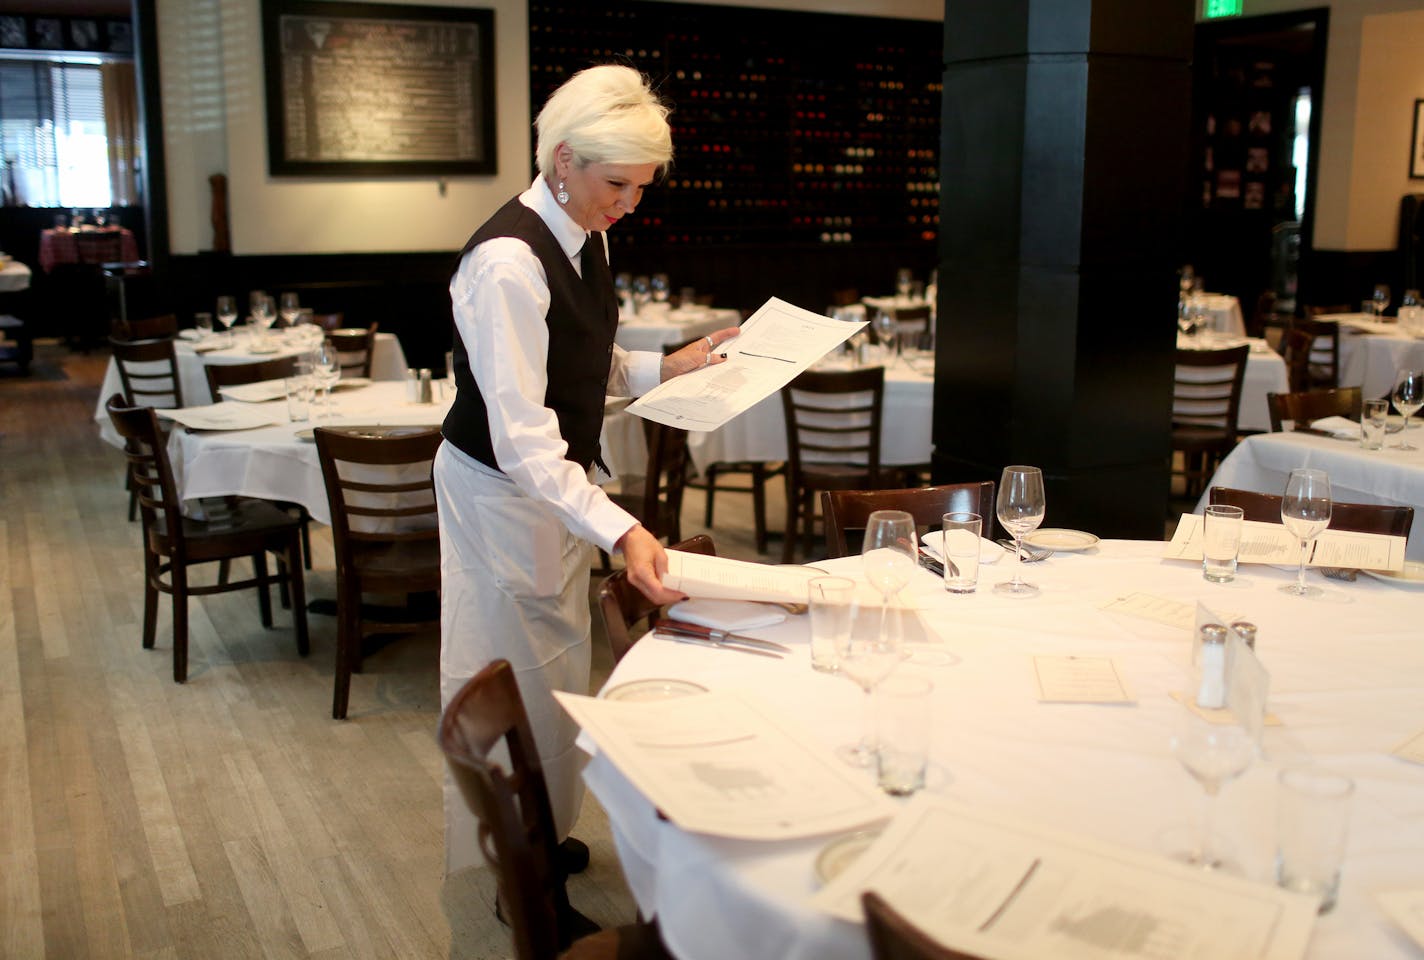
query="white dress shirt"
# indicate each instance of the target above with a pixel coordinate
(500, 297)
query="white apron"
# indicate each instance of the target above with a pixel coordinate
(514, 585)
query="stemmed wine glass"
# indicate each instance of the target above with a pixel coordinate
(885, 328)
(262, 315)
(326, 370)
(1408, 398)
(1214, 754)
(227, 313)
(291, 310)
(1305, 511)
(1379, 299)
(888, 554)
(865, 659)
(660, 288)
(1020, 508)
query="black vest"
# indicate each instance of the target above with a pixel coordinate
(582, 321)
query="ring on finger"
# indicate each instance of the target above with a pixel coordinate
(710, 343)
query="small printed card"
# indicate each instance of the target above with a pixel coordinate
(1411, 750)
(1173, 613)
(1079, 680)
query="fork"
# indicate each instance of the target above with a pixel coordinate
(1029, 554)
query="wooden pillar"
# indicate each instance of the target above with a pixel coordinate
(1063, 162)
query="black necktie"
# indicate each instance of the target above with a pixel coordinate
(600, 282)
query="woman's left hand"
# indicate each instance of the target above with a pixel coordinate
(698, 354)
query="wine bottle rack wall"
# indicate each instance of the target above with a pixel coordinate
(788, 127)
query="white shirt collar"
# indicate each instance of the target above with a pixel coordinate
(570, 235)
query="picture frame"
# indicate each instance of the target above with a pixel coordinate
(378, 90)
(1416, 143)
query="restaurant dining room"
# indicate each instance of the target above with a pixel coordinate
(335, 620)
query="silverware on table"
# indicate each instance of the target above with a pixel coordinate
(1029, 554)
(681, 630)
(932, 563)
(1341, 573)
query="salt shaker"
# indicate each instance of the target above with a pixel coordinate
(1211, 690)
(1246, 631)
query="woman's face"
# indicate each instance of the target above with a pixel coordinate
(601, 194)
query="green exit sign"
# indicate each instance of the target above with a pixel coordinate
(1211, 9)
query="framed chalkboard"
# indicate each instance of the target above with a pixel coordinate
(364, 89)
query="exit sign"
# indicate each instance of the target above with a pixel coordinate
(1211, 9)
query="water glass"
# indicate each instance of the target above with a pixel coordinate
(831, 600)
(960, 545)
(1221, 541)
(299, 397)
(903, 715)
(1373, 417)
(1312, 817)
(203, 323)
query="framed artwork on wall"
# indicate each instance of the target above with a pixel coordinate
(1416, 143)
(368, 89)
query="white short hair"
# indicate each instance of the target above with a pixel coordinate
(606, 114)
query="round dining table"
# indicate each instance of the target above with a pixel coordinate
(1346, 684)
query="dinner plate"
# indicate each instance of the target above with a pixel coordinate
(351, 383)
(1412, 576)
(309, 435)
(261, 351)
(841, 853)
(1058, 538)
(653, 688)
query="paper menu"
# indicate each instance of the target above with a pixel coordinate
(1079, 680)
(721, 578)
(226, 416)
(991, 884)
(730, 766)
(775, 344)
(1273, 543)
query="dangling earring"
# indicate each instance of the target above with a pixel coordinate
(563, 195)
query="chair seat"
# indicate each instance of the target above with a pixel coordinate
(412, 562)
(1193, 437)
(234, 527)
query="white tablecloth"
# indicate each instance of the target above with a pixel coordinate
(1372, 361)
(14, 276)
(1263, 463)
(1347, 681)
(1225, 313)
(658, 326)
(388, 363)
(760, 433)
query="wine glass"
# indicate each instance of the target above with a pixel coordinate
(885, 327)
(262, 315)
(1020, 508)
(642, 291)
(1408, 398)
(227, 313)
(865, 660)
(1305, 511)
(888, 554)
(1379, 299)
(326, 370)
(1214, 754)
(291, 310)
(660, 288)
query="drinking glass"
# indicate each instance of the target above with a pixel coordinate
(1020, 508)
(1408, 398)
(1214, 754)
(660, 288)
(1379, 299)
(865, 659)
(1305, 511)
(227, 312)
(888, 554)
(326, 370)
(642, 291)
(903, 279)
(291, 309)
(885, 327)
(262, 314)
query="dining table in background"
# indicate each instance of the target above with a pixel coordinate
(657, 325)
(60, 245)
(1372, 352)
(1346, 680)
(387, 363)
(14, 277)
(1265, 373)
(1224, 313)
(1263, 462)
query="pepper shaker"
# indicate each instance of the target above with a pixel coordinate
(1246, 631)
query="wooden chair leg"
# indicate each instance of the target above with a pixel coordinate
(150, 599)
(793, 503)
(758, 505)
(306, 540)
(264, 597)
(710, 483)
(348, 642)
(179, 579)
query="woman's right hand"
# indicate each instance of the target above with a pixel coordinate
(646, 562)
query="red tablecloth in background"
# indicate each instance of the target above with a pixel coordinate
(58, 245)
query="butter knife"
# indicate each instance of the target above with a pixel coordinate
(687, 638)
(715, 635)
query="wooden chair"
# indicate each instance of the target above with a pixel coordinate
(1393, 521)
(329, 321)
(384, 531)
(163, 326)
(148, 371)
(892, 937)
(623, 605)
(832, 441)
(356, 347)
(758, 473)
(1321, 367)
(1309, 405)
(235, 527)
(1206, 402)
(655, 498)
(517, 834)
(851, 509)
(912, 322)
(235, 374)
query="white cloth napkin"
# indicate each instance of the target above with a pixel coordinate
(1341, 427)
(727, 614)
(989, 551)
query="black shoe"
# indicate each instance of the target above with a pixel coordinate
(572, 856)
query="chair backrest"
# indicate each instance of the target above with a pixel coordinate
(912, 320)
(516, 832)
(833, 416)
(1393, 521)
(371, 501)
(236, 374)
(1263, 315)
(150, 473)
(103, 246)
(355, 345)
(623, 605)
(148, 370)
(1308, 405)
(149, 328)
(892, 937)
(328, 321)
(1207, 388)
(1321, 369)
(847, 510)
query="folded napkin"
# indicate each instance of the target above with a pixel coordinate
(1339, 427)
(727, 614)
(190, 335)
(989, 551)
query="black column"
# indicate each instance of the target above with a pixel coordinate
(1062, 177)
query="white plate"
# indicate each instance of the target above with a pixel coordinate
(1057, 538)
(653, 688)
(1411, 576)
(841, 853)
(264, 350)
(351, 383)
